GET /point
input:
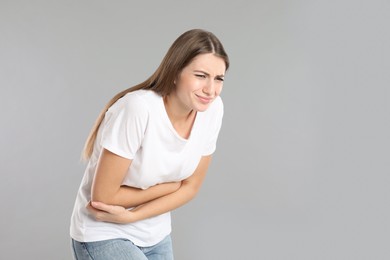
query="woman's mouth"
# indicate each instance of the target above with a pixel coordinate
(204, 100)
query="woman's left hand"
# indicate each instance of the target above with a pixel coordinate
(110, 213)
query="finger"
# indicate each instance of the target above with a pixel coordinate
(92, 210)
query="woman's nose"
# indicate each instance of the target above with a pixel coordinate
(209, 88)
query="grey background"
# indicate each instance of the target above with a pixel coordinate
(302, 166)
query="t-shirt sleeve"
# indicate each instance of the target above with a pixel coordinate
(124, 127)
(216, 123)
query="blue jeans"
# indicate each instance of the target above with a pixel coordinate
(121, 249)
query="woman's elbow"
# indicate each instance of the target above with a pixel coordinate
(192, 190)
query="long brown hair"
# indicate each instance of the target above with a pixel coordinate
(180, 54)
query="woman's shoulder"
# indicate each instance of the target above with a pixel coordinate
(137, 100)
(142, 96)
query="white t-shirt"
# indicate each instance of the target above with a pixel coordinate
(137, 127)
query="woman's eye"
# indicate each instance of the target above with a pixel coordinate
(220, 79)
(200, 76)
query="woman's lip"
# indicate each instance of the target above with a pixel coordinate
(204, 99)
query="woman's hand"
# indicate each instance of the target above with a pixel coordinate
(110, 213)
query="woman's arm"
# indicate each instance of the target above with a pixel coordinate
(107, 184)
(187, 191)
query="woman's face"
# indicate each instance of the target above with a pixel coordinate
(200, 82)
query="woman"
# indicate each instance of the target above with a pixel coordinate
(149, 152)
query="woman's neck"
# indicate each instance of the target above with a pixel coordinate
(182, 119)
(176, 111)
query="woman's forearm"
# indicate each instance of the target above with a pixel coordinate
(164, 204)
(128, 197)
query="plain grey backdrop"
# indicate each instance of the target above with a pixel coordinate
(302, 167)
